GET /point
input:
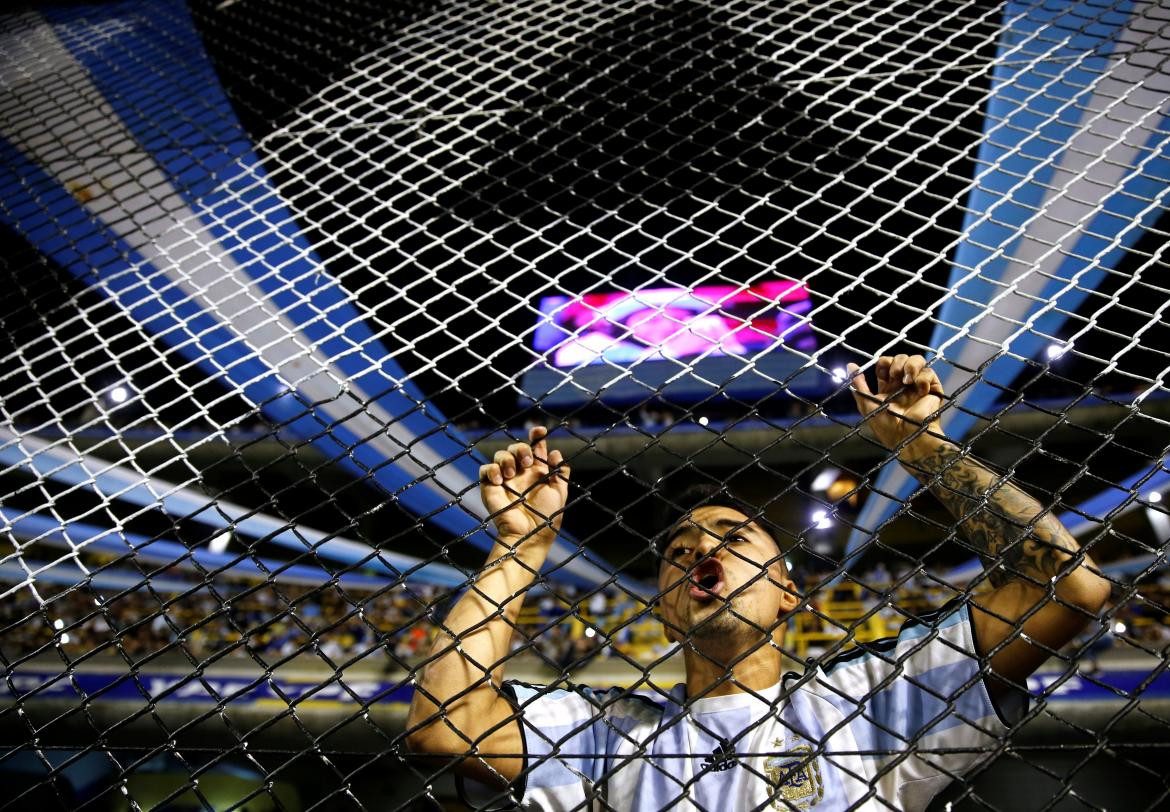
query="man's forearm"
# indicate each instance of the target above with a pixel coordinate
(480, 625)
(1045, 586)
(998, 518)
(474, 640)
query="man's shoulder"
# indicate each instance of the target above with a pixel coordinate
(950, 622)
(609, 702)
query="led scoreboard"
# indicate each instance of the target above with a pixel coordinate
(681, 343)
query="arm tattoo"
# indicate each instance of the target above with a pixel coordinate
(998, 518)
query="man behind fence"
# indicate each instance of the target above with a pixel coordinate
(884, 725)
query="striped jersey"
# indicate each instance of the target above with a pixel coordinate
(884, 726)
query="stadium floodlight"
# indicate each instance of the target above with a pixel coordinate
(703, 420)
(58, 625)
(825, 479)
(219, 543)
(1154, 497)
(119, 394)
(822, 520)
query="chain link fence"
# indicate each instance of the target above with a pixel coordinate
(580, 405)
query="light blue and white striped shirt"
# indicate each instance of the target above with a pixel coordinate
(884, 726)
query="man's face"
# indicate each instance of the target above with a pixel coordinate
(722, 581)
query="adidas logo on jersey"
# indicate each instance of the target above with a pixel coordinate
(722, 757)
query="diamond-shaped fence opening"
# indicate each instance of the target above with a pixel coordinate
(580, 405)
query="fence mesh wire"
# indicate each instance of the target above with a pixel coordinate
(280, 277)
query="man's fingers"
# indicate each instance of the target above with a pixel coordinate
(490, 473)
(536, 438)
(928, 383)
(559, 472)
(917, 373)
(506, 463)
(859, 388)
(883, 370)
(936, 387)
(561, 483)
(523, 454)
(914, 366)
(897, 374)
(922, 384)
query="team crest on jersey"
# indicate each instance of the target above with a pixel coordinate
(795, 776)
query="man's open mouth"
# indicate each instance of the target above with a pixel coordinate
(706, 580)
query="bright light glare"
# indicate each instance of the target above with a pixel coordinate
(119, 394)
(220, 543)
(58, 624)
(589, 632)
(839, 374)
(1119, 628)
(821, 517)
(64, 639)
(1056, 350)
(824, 479)
(703, 420)
(1154, 498)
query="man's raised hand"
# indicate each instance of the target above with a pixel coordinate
(912, 395)
(525, 489)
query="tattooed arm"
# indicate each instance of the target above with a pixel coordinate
(1045, 587)
(1002, 522)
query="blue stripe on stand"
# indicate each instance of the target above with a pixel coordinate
(1119, 499)
(111, 482)
(39, 207)
(70, 575)
(45, 530)
(179, 113)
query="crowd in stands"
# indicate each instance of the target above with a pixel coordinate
(235, 618)
(563, 628)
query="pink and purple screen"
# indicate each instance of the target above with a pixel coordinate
(659, 323)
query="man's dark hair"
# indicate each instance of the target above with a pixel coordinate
(703, 495)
